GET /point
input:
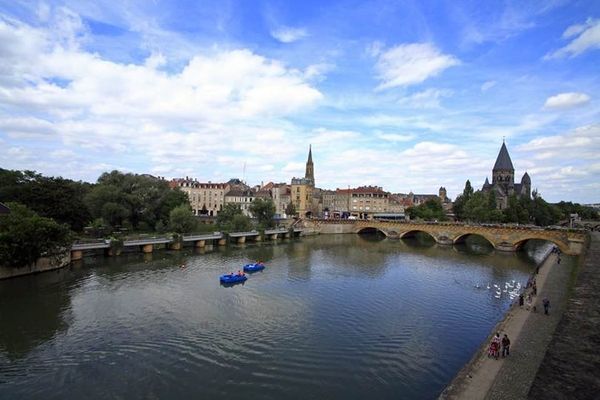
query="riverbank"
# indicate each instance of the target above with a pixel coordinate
(570, 368)
(530, 333)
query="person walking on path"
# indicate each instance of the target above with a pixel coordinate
(496, 345)
(521, 300)
(505, 346)
(546, 303)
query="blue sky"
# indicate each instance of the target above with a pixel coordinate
(408, 95)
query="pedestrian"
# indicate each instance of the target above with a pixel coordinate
(496, 342)
(546, 303)
(534, 289)
(529, 301)
(521, 300)
(505, 346)
(558, 262)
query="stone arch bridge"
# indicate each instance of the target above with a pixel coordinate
(501, 237)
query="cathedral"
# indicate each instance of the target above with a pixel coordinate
(503, 180)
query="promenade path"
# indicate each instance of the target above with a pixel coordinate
(530, 334)
(571, 367)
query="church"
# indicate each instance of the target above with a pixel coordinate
(503, 180)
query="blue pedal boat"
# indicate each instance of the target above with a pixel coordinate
(253, 267)
(232, 278)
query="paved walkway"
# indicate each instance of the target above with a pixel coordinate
(530, 333)
(571, 367)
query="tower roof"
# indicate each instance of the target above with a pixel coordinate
(309, 154)
(503, 161)
(526, 178)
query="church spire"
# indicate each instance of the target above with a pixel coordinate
(503, 161)
(310, 171)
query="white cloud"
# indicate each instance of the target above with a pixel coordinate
(286, 34)
(395, 137)
(567, 100)
(585, 36)
(409, 64)
(429, 98)
(488, 85)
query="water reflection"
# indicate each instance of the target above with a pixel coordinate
(340, 316)
(32, 311)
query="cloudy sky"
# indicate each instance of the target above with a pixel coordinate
(408, 95)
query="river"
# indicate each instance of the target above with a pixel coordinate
(331, 317)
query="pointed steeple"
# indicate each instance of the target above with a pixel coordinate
(503, 161)
(526, 179)
(310, 170)
(487, 182)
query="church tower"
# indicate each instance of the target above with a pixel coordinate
(310, 171)
(503, 174)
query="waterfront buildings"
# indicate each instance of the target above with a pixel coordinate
(503, 180)
(241, 198)
(206, 199)
(302, 190)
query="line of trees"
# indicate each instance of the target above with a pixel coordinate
(48, 212)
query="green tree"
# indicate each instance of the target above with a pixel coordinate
(56, 198)
(146, 199)
(264, 212)
(182, 220)
(459, 203)
(477, 208)
(430, 210)
(25, 236)
(290, 209)
(232, 219)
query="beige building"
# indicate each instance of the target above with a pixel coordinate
(205, 198)
(302, 190)
(241, 198)
(368, 200)
(281, 194)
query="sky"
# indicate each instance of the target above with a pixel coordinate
(407, 95)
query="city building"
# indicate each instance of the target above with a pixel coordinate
(206, 199)
(241, 198)
(503, 180)
(302, 190)
(281, 194)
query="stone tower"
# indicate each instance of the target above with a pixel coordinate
(310, 171)
(503, 174)
(442, 194)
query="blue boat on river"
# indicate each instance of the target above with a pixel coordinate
(254, 267)
(232, 278)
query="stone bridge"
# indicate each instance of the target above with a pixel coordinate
(501, 237)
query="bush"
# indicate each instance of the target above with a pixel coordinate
(25, 237)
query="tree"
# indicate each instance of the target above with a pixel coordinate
(232, 219)
(146, 199)
(459, 204)
(430, 210)
(290, 210)
(264, 212)
(182, 220)
(56, 198)
(25, 237)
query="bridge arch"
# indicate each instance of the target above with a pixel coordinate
(371, 229)
(462, 237)
(413, 232)
(562, 246)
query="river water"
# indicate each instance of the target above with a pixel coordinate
(331, 317)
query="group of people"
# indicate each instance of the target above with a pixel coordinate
(498, 344)
(239, 273)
